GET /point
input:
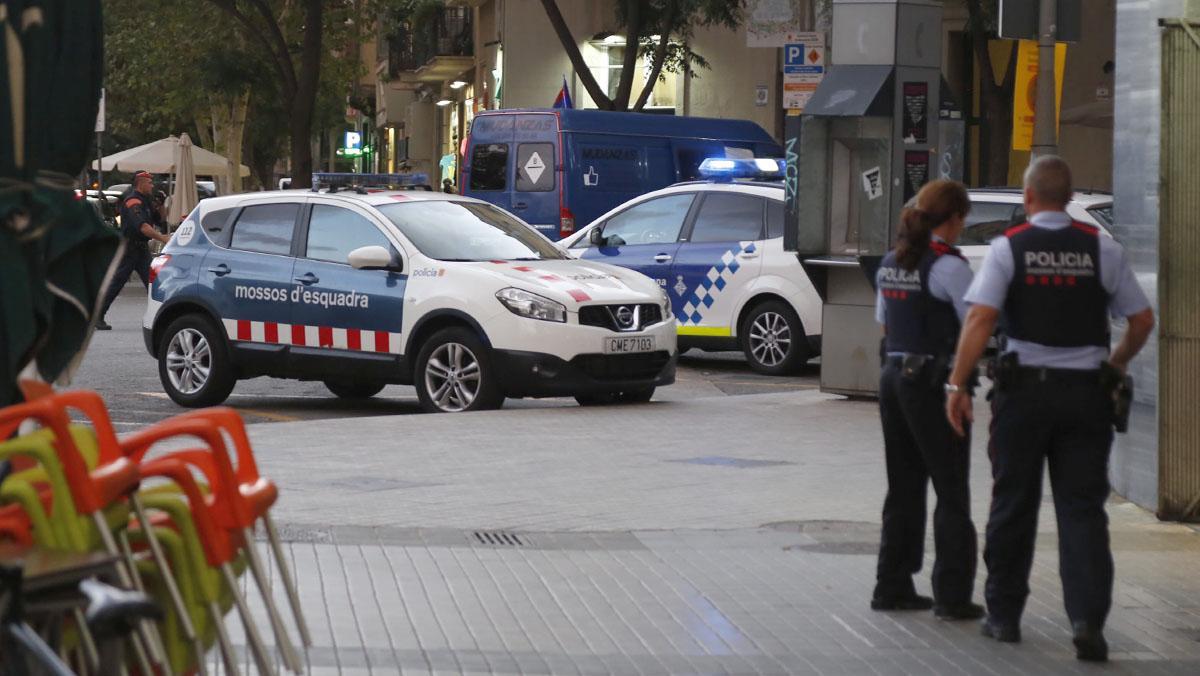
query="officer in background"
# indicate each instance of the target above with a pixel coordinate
(920, 288)
(1056, 281)
(140, 220)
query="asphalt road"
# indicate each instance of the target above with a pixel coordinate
(117, 366)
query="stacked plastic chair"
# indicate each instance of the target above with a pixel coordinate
(81, 488)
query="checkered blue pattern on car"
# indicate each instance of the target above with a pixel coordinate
(711, 285)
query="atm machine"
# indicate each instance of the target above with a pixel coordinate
(866, 143)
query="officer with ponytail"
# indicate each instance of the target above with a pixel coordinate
(920, 288)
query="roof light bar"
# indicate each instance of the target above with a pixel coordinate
(346, 181)
(728, 169)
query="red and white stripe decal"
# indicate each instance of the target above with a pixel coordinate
(274, 333)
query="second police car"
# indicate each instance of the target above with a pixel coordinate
(716, 247)
(362, 289)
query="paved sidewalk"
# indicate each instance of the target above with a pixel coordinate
(732, 535)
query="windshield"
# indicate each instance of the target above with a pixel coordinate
(468, 231)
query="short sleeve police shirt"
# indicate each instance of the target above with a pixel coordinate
(1126, 297)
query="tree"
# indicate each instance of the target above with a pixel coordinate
(267, 25)
(649, 27)
(995, 98)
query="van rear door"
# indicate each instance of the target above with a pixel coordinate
(488, 175)
(536, 180)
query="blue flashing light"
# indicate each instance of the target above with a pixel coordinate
(728, 169)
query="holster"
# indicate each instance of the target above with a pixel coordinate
(925, 370)
(1120, 387)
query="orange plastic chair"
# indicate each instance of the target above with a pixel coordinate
(92, 491)
(254, 497)
(225, 502)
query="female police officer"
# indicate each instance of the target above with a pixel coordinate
(921, 284)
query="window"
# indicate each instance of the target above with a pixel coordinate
(987, 221)
(468, 231)
(651, 222)
(266, 228)
(535, 167)
(334, 232)
(728, 217)
(489, 166)
(1103, 214)
(215, 220)
(775, 218)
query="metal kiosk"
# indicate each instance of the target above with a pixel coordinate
(863, 147)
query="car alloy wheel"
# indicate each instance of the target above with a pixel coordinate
(452, 377)
(770, 339)
(189, 361)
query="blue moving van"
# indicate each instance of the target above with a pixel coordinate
(558, 168)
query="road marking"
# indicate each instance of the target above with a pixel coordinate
(851, 630)
(277, 417)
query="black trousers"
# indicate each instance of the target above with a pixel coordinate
(920, 446)
(135, 259)
(1067, 424)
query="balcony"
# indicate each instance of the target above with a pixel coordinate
(430, 46)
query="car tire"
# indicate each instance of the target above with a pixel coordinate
(460, 361)
(773, 339)
(194, 364)
(354, 390)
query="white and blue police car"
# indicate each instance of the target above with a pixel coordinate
(363, 288)
(716, 247)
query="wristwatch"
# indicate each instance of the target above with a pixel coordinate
(951, 388)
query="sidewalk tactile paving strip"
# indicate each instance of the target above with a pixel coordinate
(750, 601)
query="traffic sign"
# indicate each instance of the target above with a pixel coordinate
(803, 68)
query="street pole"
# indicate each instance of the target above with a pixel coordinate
(99, 166)
(1045, 125)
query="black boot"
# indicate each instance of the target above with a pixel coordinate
(912, 601)
(1004, 632)
(103, 325)
(1090, 645)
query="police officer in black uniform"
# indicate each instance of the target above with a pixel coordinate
(1056, 281)
(920, 288)
(140, 220)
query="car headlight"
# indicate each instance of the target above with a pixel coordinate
(531, 305)
(666, 305)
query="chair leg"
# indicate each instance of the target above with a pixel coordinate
(158, 648)
(142, 648)
(91, 654)
(285, 575)
(228, 656)
(257, 647)
(168, 576)
(291, 659)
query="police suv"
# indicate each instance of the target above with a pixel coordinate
(716, 246)
(361, 289)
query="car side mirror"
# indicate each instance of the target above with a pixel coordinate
(596, 236)
(375, 258)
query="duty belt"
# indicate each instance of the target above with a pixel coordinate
(1028, 375)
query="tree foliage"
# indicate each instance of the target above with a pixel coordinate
(658, 31)
(174, 66)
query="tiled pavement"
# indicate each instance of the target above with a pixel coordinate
(714, 536)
